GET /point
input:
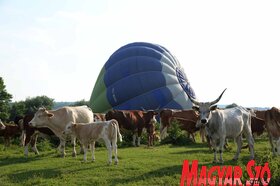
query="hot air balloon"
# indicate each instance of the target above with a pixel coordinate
(140, 76)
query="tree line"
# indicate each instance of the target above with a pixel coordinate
(9, 110)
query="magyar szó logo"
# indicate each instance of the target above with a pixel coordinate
(224, 175)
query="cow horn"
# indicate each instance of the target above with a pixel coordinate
(143, 109)
(193, 100)
(218, 99)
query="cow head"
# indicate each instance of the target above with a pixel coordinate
(2, 126)
(149, 116)
(204, 109)
(69, 128)
(41, 118)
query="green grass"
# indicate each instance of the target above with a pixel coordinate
(160, 165)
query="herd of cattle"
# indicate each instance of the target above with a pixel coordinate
(215, 126)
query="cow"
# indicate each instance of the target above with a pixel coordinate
(9, 131)
(133, 120)
(257, 125)
(99, 117)
(222, 124)
(272, 121)
(167, 114)
(88, 133)
(186, 125)
(56, 120)
(2, 126)
(151, 131)
(31, 133)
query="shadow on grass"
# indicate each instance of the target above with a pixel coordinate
(17, 160)
(159, 173)
(24, 176)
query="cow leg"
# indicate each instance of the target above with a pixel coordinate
(238, 141)
(209, 143)
(139, 136)
(92, 148)
(62, 147)
(133, 140)
(138, 142)
(193, 137)
(221, 148)
(81, 148)
(115, 149)
(250, 140)
(26, 143)
(33, 143)
(85, 152)
(73, 141)
(22, 138)
(202, 134)
(109, 148)
(214, 150)
(272, 144)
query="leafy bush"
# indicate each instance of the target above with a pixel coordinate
(176, 136)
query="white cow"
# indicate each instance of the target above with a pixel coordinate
(56, 120)
(88, 133)
(2, 126)
(222, 124)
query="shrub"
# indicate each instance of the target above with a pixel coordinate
(176, 136)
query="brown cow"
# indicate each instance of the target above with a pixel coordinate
(272, 125)
(272, 120)
(31, 133)
(133, 120)
(257, 125)
(10, 131)
(187, 125)
(167, 114)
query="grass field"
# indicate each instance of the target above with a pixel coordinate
(160, 165)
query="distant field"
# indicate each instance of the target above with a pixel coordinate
(161, 165)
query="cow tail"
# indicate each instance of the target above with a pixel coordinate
(118, 130)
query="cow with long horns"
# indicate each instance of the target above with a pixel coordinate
(222, 124)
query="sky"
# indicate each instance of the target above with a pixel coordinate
(57, 48)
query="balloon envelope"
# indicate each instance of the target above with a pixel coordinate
(141, 76)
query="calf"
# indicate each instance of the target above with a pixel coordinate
(9, 132)
(88, 133)
(151, 131)
(187, 125)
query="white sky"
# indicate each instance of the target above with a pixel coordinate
(57, 48)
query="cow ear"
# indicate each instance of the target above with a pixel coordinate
(49, 115)
(196, 108)
(214, 107)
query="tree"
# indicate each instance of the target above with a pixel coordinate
(32, 104)
(81, 103)
(5, 99)
(17, 109)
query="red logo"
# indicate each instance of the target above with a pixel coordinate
(224, 175)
